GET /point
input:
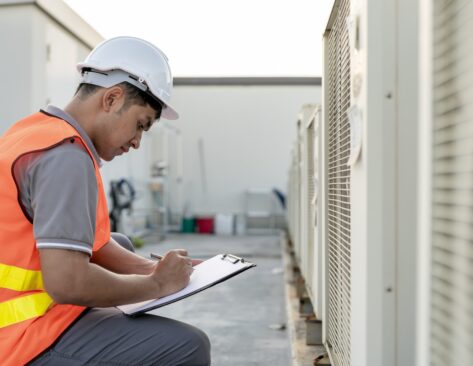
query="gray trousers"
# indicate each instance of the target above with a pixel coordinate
(107, 337)
(104, 336)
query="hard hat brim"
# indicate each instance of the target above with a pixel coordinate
(169, 112)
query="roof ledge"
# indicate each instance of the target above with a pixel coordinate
(67, 18)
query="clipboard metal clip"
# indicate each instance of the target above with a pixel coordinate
(232, 258)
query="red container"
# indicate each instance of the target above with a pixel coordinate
(204, 225)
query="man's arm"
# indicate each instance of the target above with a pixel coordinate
(70, 278)
(115, 258)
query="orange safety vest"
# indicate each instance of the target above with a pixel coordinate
(29, 319)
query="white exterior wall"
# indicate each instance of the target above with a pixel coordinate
(247, 134)
(16, 71)
(38, 63)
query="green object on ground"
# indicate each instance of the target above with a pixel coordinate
(188, 225)
(137, 242)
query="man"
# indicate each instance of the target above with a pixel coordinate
(61, 271)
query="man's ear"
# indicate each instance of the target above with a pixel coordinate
(113, 98)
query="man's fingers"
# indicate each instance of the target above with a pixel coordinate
(181, 252)
(196, 262)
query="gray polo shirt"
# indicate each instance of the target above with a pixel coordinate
(58, 191)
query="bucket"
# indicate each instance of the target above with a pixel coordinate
(204, 224)
(188, 225)
(224, 224)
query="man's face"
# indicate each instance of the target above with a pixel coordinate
(123, 130)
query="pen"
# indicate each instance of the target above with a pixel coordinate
(156, 256)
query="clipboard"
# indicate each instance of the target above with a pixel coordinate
(206, 274)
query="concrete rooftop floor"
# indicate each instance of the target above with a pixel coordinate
(245, 316)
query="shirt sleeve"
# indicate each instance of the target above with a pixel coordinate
(63, 198)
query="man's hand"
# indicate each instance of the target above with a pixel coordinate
(173, 272)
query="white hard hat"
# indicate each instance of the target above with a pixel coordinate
(132, 60)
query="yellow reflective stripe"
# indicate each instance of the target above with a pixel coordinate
(19, 279)
(24, 308)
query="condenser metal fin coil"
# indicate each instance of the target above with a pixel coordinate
(451, 300)
(338, 200)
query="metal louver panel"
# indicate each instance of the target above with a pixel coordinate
(310, 207)
(451, 336)
(338, 200)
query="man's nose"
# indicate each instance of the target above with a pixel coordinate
(135, 141)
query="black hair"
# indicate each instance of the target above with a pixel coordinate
(133, 95)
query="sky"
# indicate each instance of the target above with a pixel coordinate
(225, 38)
